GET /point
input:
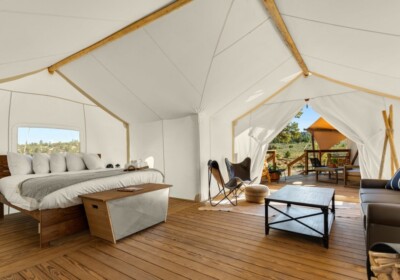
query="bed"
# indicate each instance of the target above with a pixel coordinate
(61, 213)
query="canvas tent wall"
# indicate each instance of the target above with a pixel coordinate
(192, 72)
(363, 125)
(42, 100)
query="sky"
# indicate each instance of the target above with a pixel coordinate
(308, 118)
(34, 135)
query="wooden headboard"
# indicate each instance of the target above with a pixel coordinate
(4, 171)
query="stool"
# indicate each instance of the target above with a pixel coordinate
(256, 193)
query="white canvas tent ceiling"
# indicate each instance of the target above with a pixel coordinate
(215, 58)
(36, 34)
(203, 55)
(45, 84)
(337, 38)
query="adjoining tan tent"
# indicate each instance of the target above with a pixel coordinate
(325, 134)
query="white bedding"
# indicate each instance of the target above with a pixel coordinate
(69, 196)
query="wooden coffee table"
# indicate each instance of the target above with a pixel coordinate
(313, 218)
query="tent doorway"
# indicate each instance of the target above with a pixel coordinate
(306, 139)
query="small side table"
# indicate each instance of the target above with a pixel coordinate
(330, 170)
(115, 214)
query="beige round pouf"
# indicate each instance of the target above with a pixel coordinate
(256, 193)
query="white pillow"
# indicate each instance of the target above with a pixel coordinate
(19, 164)
(57, 163)
(75, 162)
(93, 161)
(41, 163)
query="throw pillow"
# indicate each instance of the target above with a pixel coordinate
(58, 163)
(75, 162)
(93, 161)
(394, 183)
(19, 164)
(41, 163)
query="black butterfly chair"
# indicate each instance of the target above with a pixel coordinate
(240, 170)
(224, 190)
(315, 162)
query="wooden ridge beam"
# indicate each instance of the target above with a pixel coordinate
(120, 33)
(20, 76)
(355, 87)
(280, 24)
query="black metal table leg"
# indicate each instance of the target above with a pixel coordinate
(266, 217)
(326, 231)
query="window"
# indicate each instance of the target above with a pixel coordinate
(47, 140)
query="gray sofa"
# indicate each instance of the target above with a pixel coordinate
(381, 209)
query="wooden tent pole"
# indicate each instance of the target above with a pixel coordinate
(391, 140)
(392, 131)
(383, 156)
(384, 150)
(120, 33)
(392, 169)
(284, 32)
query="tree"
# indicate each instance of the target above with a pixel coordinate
(290, 134)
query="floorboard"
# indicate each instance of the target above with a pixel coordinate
(192, 244)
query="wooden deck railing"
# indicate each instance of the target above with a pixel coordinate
(293, 162)
(271, 156)
(319, 153)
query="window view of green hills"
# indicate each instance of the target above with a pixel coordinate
(48, 147)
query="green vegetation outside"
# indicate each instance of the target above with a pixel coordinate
(290, 144)
(47, 147)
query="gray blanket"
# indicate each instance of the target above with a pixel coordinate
(38, 188)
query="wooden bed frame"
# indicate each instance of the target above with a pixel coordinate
(53, 223)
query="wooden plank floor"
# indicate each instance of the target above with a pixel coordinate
(192, 244)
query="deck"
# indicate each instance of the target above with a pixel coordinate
(191, 245)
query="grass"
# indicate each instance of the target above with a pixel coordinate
(285, 153)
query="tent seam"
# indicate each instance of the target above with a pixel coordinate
(244, 36)
(84, 120)
(163, 141)
(342, 26)
(213, 56)
(350, 67)
(172, 62)
(9, 120)
(256, 82)
(125, 86)
(35, 58)
(315, 97)
(51, 96)
(63, 16)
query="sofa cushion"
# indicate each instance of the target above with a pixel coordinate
(377, 191)
(389, 197)
(394, 183)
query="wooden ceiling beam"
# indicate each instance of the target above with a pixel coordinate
(120, 33)
(280, 24)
